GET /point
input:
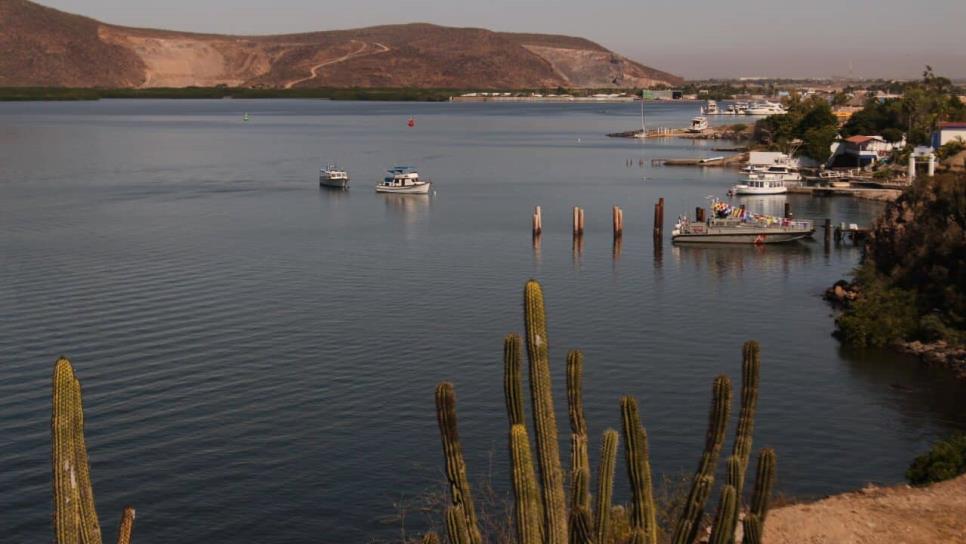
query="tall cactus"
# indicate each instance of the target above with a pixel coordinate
(643, 516)
(605, 483)
(750, 368)
(75, 518)
(455, 465)
(764, 480)
(724, 521)
(526, 491)
(512, 379)
(579, 456)
(544, 419)
(687, 527)
(127, 524)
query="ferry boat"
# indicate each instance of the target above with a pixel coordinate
(333, 176)
(730, 225)
(403, 180)
(698, 124)
(766, 108)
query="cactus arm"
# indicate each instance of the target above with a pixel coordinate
(459, 484)
(456, 525)
(723, 529)
(764, 480)
(526, 492)
(643, 516)
(579, 456)
(545, 422)
(704, 477)
(752, 529)
(605, 483)
(127, 524)
(63, 459)
(512, 379)
(580, 527)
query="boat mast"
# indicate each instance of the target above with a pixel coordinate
(643, 127)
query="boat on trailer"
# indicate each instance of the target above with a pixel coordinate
(730, 225)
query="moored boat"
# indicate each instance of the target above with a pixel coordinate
(731, 225)
(698, 124)
(333, 176)
(766, 108)
(403, 180)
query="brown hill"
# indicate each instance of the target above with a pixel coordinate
(45, 47)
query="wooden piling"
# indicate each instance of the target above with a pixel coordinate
(828, 231)
(537, 221)
(788, 211)
(617, 218)
(659, 218)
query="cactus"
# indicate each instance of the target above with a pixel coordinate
(127, 523)
(724, 521)
(455, 465)
(605, 483)
(579, 456)
(580, 527)
(512, 379)
(75, 518)
(687, 527)
(545, 422)
(752, 529)
(643, 516)
(526, 492)
(456, 525)
(764, 479)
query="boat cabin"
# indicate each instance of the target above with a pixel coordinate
(401, 176)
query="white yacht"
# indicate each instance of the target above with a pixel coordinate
(333, 176)
(403, 180)
(759, 185)
(738, 108)
(711, 108)
(698, 124)
(766, 108)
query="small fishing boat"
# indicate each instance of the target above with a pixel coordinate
(403, 180)
(698, 124)
(731, 225)
(333, 176)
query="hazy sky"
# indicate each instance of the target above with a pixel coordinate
(696, 38)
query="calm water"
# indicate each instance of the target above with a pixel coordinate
(259, 356)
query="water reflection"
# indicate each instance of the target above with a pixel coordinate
(412, 208)
(731, 260)
(764, 205)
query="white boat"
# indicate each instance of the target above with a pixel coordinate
(333, 176)
(759, 186)
(766, 108)
(698, 124)
(403, 180)
(711, 108)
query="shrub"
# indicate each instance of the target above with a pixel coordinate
(881, 315)
(945, 460)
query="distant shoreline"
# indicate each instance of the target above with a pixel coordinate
(33, 94)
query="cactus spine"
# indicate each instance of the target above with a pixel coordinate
(764, 480)
(545, 422)
(512, 379)
(724, 521)
(455, 465)
(127, 524)
(529, 517)
(75, 519)
(687, 527)
(579, 456)
(605, 483)
(643, 516)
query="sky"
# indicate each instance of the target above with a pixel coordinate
(695, 39)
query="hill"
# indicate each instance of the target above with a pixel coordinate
(46, 47)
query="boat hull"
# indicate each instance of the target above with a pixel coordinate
(333, 183)
(732, 237)
(421, 189)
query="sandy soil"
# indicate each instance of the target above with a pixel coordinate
(894, 515)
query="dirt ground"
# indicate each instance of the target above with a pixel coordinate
(894, 515)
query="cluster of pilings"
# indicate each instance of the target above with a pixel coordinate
(617, 225)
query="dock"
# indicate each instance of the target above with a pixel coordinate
(868, 193)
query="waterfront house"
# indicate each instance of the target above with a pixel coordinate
(948, 132)
(863, 151)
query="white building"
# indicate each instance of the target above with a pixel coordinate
(948, 132)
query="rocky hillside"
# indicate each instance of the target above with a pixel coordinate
(46, 47)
